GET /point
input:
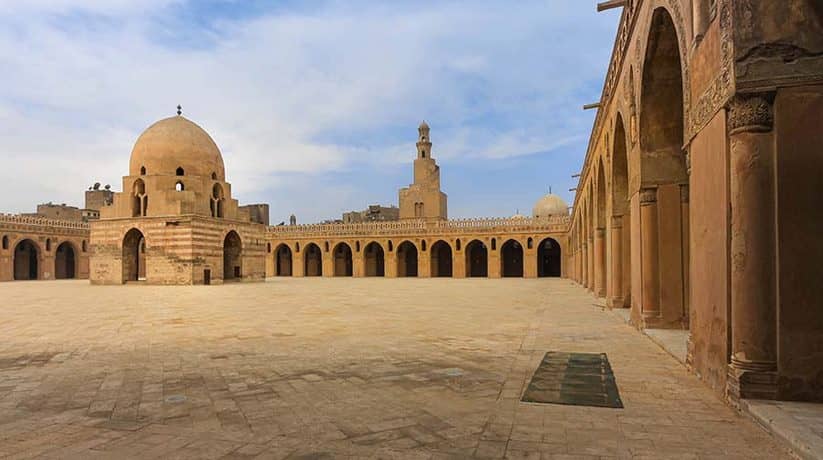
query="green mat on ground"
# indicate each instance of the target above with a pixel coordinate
(579, 379)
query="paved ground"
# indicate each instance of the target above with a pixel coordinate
(337, 368)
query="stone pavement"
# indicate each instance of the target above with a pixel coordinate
(337, 368)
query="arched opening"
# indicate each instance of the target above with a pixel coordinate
(406, 259)
(26, 260)
(84, 246)
(511, 259)
(457, 243)
(139, 201)
(441, 260)
(664, 219)
(621, 221)
(282, 261)
(213, 176)
(312, 260)
(65, 262)
(216, 202)
(142, 170)
(180, 172)
(48, 244)
(343, 265)
(179, 186)
(5, 242)
(375, 260)
(232, 257)
(134, 256)
(477, 259)
(549, 259)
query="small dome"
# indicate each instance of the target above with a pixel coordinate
(550, 205)
(173, 143)
(518, 216)
(423, 126)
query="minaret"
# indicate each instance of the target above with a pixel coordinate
(423, 199)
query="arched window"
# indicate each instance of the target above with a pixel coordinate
(48, 244)
(268, 248)
(494, 244)
(213, 176)
(529, 243)
(327, 246)
(180, 172)
(142, 170)
(391, 246)
(297, 247)
(83, 246)
(458, 244)
(179, 186)
(423, 245)
(357, 246)
(5, 242)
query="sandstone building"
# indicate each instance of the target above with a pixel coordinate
(697, 202)
(175, 222)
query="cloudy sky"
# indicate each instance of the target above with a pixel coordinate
(315, 104)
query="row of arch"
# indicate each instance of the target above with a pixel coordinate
(27, 258)
(633, 211)
(441, 255)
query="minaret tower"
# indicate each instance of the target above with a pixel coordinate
(423, 199)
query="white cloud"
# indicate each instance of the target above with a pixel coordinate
(299, 91)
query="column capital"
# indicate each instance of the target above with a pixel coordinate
(648, 196)
(600, 232)
(617, 222)
(751, 113)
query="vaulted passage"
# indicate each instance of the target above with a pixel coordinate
(511, 260)
(134, 256)
(664, 203)
(441, 260)
(477, 259)
(26, 258)
(342, 260)
(312, 260)
(283, 261)
(65, 263)
(407, 259)
(548, 259)
(375, 260)
(232, 257)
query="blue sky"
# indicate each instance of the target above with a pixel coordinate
(315, 104)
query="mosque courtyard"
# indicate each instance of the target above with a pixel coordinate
(338, 368)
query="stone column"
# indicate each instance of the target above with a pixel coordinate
(600, 262)
(590, 262)
(616, 295)
(649, 260)
(753, 368)
(584, 262)
(685, 250)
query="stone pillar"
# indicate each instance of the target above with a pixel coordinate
(390, 264)
(424, 264)
(590, 262)
(358, 265)
(494, 257)
(584, 260)
(685, 250)
(753, 367)
(649, 260)
(298, 264)
(616, 294)
(600, 262)
(328, 262)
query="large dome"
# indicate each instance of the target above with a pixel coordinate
(550, 205)
(173, 143)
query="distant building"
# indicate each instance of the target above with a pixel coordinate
(374, 213)
(57, 211)
(258, 213)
